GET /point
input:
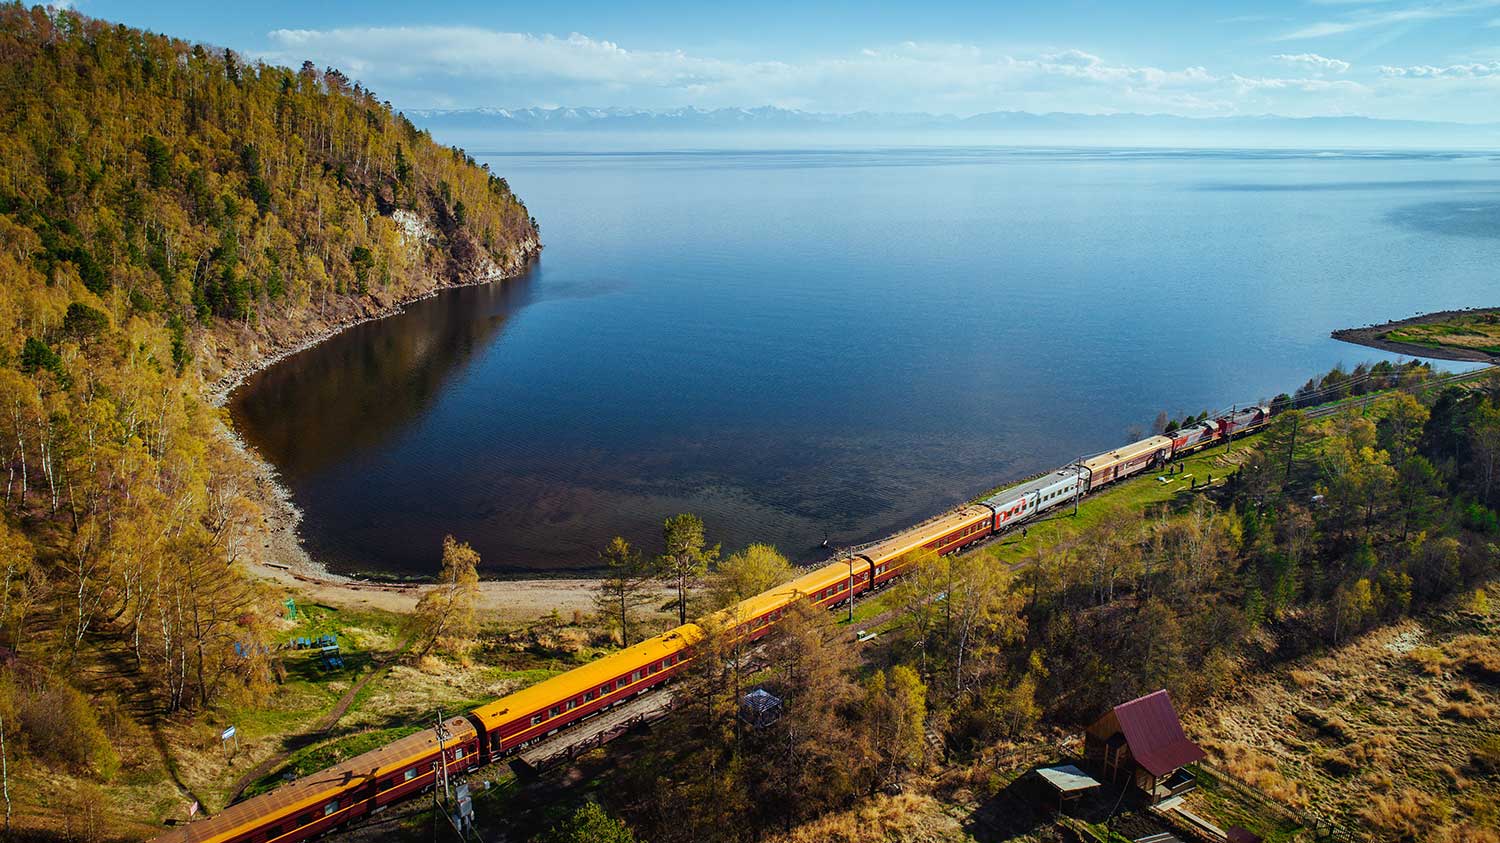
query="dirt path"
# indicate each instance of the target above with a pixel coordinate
(321, 727)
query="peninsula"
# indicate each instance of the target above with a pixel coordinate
(1471, 334)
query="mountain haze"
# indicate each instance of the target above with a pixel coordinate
(995, 126)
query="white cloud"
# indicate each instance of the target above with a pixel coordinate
(1368, 18)
(435, 66)
(1475, 70)
(1314, 61)
(438, 66)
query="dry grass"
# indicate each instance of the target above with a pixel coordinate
(884, 819)
(1397, 732)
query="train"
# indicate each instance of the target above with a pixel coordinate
(317, 803)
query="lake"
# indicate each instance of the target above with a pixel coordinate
(809, 344)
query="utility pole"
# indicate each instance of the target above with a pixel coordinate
(440, 778)
(1291, 450)
(1078, 492)
(848, 553)
(1229, 431)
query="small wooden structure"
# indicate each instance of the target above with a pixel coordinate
(1141, 742)
(760, 708)
(1068, 783)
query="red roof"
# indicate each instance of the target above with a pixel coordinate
(1155, 734)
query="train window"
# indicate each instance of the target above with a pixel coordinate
(331, 808)
(458, 752)
(536, 719)
(588, 695)
(572, 704)
(672, 659)
(606, 687)
(409, 774)
(308, 817)
(635, 676)
(553, 711)
(273, 832)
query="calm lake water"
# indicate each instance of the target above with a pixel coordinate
(837, 343)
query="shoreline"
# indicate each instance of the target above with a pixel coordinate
(1373, 336)
(282, 558)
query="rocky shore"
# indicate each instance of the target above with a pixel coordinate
(281, 557)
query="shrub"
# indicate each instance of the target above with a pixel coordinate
(1480, 518)
(590, 824)
(59, 724)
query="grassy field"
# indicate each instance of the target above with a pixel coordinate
(1477, 331)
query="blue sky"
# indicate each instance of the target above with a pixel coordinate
(1413, 59)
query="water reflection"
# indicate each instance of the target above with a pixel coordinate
(370, 383)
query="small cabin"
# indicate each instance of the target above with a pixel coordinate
(1142, 743)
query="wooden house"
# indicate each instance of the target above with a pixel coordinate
(1141, 742)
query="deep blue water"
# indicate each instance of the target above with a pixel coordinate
(796, 344)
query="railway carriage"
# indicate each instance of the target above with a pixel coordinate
(1125, 461)
(316, 803)
(891, 557)
(1021, 503)
(516, 720)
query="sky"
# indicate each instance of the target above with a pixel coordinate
(1397, 59)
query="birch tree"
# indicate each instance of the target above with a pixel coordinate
(445, 614)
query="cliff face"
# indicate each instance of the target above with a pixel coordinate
(240, 209)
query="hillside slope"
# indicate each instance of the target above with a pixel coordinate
(154, 178)
(169, 214)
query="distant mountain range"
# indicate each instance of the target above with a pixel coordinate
(1022, 125)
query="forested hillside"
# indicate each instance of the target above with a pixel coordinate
(169, 211)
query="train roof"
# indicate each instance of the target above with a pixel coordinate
(914, 537)
(774, 598)
(314, 789)
(575, 682)
(1045, 481)
(1127, 452)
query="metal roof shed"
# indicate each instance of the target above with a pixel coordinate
(1068, 782)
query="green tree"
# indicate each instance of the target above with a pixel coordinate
(590, 824)
(895, 717)
(84, 323)
(745, 574)
(686, 558)
(623, 588)
(1484, 439)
